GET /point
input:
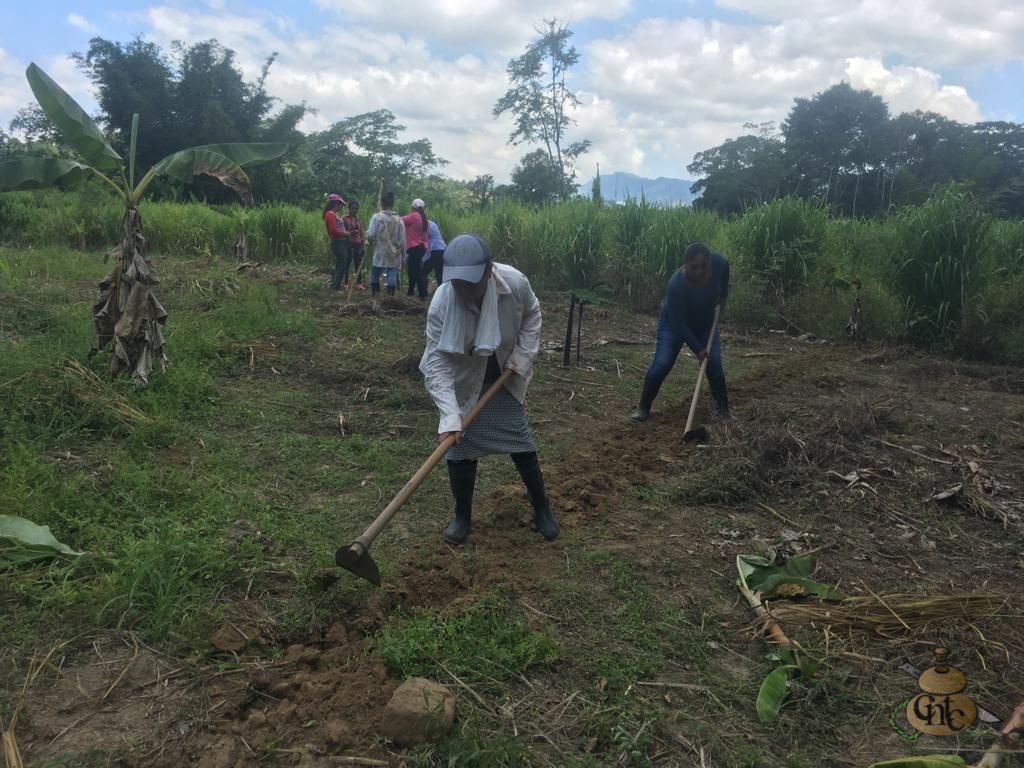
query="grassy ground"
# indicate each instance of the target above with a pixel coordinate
(206, 626)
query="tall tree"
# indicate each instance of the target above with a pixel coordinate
(365, 148)
(482, 188)
(33, 124)
(131, 78)
(535, 180)
(213, 102)
(540, 101)
(9, 146)
(743, 171)
(1001, 174)
(834, 140)
(196, 95)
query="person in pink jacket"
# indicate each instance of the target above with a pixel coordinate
(339, 239)
(415, 246)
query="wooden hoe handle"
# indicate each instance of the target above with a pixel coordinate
(703, 368)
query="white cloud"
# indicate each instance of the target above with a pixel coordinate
(475, 24)
(685, 85)
(78, 21)
(906, 89)
(936, 34)
(14, 90)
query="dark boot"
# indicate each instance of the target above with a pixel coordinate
(462, 478)
(391, 290)
(643, 411)
(375, 288)
(529, 470)
(720, 394)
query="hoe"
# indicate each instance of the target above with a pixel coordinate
(693, 434)
(356, 557)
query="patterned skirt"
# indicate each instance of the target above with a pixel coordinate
(500, 427)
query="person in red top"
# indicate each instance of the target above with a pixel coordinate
(416, 246)
(339, 238)
(356, 245)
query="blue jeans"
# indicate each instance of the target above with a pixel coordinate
(391, 273)
(667, 350)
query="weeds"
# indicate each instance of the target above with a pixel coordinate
(486, 643)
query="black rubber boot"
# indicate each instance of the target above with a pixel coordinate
(462, 478)
(375, 288)
(529, 470)
(391, 290)
(720, 394)
(643, 411)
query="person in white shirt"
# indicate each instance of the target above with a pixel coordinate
(386, 234)
(483, 319)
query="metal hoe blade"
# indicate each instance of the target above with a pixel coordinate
(355, 559)
(699, 435)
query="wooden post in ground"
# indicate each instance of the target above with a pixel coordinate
(567, 347)
(579, 333)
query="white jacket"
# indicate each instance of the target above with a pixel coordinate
(454, 380)
(386, 234)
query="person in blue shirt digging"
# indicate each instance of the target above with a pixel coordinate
(687, 314)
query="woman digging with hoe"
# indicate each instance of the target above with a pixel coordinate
(694, 293)
(484, 318)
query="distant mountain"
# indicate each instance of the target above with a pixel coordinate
(616, 187)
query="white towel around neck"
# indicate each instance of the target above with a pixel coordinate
(487, 337)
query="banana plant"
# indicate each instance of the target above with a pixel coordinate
(128, 316)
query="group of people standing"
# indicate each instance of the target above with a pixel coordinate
(413, 239)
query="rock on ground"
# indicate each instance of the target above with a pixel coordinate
(420, 710)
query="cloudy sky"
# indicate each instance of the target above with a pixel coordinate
(659, 79)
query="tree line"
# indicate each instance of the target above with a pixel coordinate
(843, 148)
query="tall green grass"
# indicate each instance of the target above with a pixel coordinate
(939, 268)
(779, 243)
(928, 272)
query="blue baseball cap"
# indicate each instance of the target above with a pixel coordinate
(466, 258)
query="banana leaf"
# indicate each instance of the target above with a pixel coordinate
(189, 163)
(41, 173)
(762, 574)
(922, 761)
(247, 154)
(773, 691)
(22, 541)
(78, 128)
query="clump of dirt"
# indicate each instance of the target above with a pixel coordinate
(331, 696)
(600, 470)
(447, 579)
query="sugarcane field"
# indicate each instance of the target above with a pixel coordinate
(325, 444)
